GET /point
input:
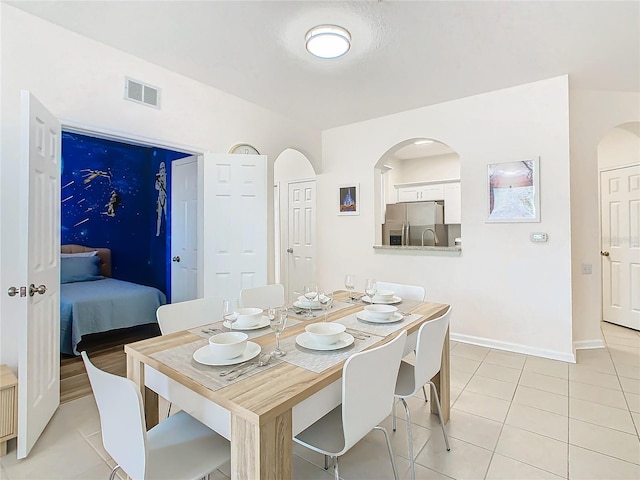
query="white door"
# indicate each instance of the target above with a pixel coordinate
(301, 236)
(620, 210)
(184, 221)
(39, 347)
(232, 227)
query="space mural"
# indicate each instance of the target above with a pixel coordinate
(115, 195)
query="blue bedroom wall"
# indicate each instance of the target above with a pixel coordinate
(116, 195)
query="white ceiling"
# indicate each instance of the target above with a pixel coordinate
(404, 55)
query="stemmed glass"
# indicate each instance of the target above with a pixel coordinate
(350, 284)
(310, 293)
(230, 311)
(370, 288)
(326, 300)
(278, 320)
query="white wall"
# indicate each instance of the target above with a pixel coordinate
(593, 115)
(439, 167)
(82, 83)
(618, 148)
(505, 291)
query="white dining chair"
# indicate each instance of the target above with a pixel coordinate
(368, 380)
(178, 448)
(428, 360)
(263, 297)
(406, 292)
(174, 317)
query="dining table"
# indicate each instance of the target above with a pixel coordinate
(261, 410)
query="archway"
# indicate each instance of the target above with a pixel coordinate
(294, 221)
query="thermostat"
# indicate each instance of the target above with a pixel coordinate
(538, 237)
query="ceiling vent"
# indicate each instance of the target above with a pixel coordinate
(139, 92)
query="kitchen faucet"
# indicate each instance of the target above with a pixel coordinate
(435, 237)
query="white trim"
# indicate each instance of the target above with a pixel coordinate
(588, 344)
(514, 347)
(618, 167)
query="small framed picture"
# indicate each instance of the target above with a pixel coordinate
(349, 199)
(513, 191)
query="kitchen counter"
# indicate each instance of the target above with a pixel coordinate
(426, 250)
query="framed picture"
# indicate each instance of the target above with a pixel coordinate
(514, 191)
(349, 199)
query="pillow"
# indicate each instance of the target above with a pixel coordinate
(81, 254)
(79, 269)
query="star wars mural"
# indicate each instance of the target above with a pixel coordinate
(116, 195)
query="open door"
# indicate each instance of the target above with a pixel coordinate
(39, 349)
(232, 224)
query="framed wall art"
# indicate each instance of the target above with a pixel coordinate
(514, 191)
(349, 199)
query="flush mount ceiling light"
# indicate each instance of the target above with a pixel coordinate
(328, 41)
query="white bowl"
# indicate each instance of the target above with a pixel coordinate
(248, 317)
(309, 303)
(325, 333)
(380, 312)
(224, 346)
(384, 295)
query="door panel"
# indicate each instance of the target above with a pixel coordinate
(234, 217)
(620, 210)
(184, 221)
(39, 352)
(302, 236)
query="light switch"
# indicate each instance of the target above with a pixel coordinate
(538, 237)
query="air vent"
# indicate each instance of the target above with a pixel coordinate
(143, 93)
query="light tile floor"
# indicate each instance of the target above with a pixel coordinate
(513, 417)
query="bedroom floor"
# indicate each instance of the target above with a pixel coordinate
(513, 417)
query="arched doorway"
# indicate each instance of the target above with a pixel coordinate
(619, 171)
(294, 221)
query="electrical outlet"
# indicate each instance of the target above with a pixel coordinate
(586, 269)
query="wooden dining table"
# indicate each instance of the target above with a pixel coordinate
(262, 406)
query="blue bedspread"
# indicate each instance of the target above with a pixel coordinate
(103, 305)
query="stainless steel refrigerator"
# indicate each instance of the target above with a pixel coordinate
(414, 223)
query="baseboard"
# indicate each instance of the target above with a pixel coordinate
(514, 347)
(588, 344)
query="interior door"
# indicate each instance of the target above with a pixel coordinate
(302, 236)
(184, 221)
(232, 231)
(620, 210)
(39, 350)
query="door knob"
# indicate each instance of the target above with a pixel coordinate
(604, 254)
(289, 250)
(33, 289)
(13, 291)
(176, 258)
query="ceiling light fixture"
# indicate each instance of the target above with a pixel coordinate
(422, 142)
(328, 41)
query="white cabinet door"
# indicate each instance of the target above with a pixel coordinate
(432, 192)
(452, 203)
(409, 194)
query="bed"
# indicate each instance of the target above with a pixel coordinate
(93, 302)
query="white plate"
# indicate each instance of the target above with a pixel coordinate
(305, 306)
(305, 340)
(393, 301)
(203, 355)
(364, 315)
(264, 322)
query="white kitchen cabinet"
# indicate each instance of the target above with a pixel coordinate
(452, 203)
(423, 193)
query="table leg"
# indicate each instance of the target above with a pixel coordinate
(135, 372)
(442, 381)
(262, 452)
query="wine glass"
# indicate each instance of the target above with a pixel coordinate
(310, 293)
(350, 284)
(326, 300)
(278, 320)
(370, 288)
(230, 311)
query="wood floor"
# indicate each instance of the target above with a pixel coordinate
(106, 351)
